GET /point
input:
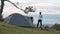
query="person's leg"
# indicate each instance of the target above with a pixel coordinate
(38, 24)
(41, 24)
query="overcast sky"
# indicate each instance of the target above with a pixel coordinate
(39, 1)
(46, 6)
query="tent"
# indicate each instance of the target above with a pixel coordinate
(19, 20)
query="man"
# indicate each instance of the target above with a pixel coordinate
(39, 20)
(31, 19)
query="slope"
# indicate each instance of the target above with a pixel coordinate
(11, 29)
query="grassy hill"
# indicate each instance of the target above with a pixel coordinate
(10, 29)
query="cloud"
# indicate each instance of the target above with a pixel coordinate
(37, 1)
(22, 1)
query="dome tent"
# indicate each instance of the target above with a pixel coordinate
(19, 20)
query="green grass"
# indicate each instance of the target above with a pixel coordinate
(10, 29)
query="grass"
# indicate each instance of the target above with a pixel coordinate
(11, 29)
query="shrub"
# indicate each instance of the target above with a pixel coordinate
(46, 27)
(56, 26)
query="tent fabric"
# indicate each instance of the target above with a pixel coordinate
(19, 20)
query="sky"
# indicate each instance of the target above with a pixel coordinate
(41, 1)
(45, 6)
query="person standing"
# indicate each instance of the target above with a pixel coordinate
(39, 20)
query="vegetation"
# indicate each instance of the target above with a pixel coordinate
(56, 26)
(1, 10)
(29, 9)
(10, 29)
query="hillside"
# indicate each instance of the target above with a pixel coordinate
(11, 29)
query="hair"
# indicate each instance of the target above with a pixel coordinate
(39, 12)
(31, 17)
